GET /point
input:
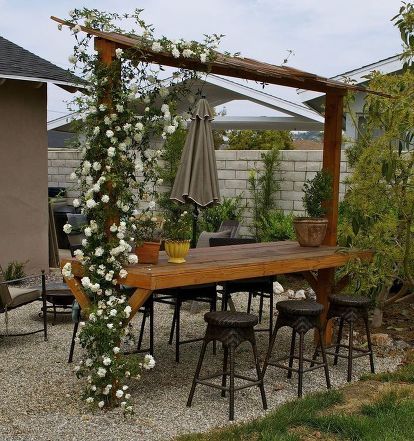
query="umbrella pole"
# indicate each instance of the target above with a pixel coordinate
(195, 220)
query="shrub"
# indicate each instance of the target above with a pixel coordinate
(229, 209)
(15, 270)
(277, 226)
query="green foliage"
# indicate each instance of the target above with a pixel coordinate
(229, 209)
(263, 185)
(316, 191)
(179, 228)
(380, 201)
(260, 140)
(404, 20)
(277, 226)
(15, 270)
(148, 228)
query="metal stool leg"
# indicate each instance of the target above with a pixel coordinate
(338, 341)
(224, 377)
(270, 349)
(271, 314)
(292, 352)
(260, 307)
(174, 319)
(197, 373)
(44, 305)
(259, 375)
(325, 361)
(72, 344)
(249, 302)
(350, 350)
(151, 321)
(371, 354)
(300, 370)
(177, 330)
(141, 332)
(231, 361)
(213, 307)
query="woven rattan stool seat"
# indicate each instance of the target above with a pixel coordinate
(350, 300)
(231, 319)
(300, 307)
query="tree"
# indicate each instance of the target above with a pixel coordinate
(260, 140)
(379, 209)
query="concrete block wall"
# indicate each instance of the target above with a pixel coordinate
(233, 168)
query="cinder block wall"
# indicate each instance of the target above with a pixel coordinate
(233, 168)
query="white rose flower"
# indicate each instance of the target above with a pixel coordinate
(111, 152)
(127, 396)
(119, 107)
(203, 57)
(165, 108)
(113, 228)
(170, 129)
(90, 203)
(119, 393)
(109, 133)
(156, 46)
(88, 362)
(88, 231)
(76, 203)
(123, 273)
(109, 325)
(89, 400)
(113, 312)
(102, 107)
(99, 251)
(187, 53)
(106, 361)
(160, 181)
(72, 59)
(76, 29)
(96, 166)
(67, 271)
(118, 53)
(127, 310)
(149, 361)
(138, 137)
(105, 198)
(101, 372)
(132, 258)
(78, 255)
(96, 130)
(175, 53)
(116, 350)
(67, 228)
(101, 404)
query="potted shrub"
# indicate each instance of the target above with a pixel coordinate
(148, 237)
(311, 230)
(177, 233)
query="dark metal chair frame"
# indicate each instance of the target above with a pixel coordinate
(301, 323)
(176, 297)
(231, 335)
(349, 313)
(42, 298)
(148, 312)
(260, 286)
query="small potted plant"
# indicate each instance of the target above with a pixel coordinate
(311, 230)
(148, 237)
(177, 233)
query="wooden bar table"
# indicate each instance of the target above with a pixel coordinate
(218, 264)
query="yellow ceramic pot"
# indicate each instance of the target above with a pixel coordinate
(177, 250)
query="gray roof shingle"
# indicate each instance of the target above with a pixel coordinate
(19, 62)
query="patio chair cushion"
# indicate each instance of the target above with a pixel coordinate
(204, 239)
(20, 296)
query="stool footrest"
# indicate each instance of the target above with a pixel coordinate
(362, 353)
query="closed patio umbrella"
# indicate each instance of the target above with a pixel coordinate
(196, 180)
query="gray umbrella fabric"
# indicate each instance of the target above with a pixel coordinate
(196, 180)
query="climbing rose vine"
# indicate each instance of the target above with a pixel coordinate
(124, 106)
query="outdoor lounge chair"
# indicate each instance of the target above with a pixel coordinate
(13, 297)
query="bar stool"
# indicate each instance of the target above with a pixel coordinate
(301, 316)
(349, 309)
(231, 329)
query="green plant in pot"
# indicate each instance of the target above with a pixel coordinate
(311, 230)
(148, 231)
(177, 233)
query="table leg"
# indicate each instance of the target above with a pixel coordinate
(138, 299)
(324, 288)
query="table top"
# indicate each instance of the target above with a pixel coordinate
(217, 264)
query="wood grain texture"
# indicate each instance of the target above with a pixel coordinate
(77, 290)
(138, 299)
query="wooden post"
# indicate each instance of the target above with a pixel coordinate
(331, 163)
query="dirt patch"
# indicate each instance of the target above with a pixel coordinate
(307, 434)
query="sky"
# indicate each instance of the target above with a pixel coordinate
(328, 37)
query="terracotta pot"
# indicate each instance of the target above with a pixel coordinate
(177, 250)
(148, 252)
(310, 231)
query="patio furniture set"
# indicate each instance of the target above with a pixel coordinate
(249, 267)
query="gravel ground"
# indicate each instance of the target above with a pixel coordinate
(40, 395)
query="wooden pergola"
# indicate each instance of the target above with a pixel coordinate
(106, 44)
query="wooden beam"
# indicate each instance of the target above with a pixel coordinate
(332, 159)
(138, 299)
(76, 288)
(2, 81)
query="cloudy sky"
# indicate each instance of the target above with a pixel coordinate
(328, 37)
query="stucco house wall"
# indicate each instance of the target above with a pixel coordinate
(23, 177)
